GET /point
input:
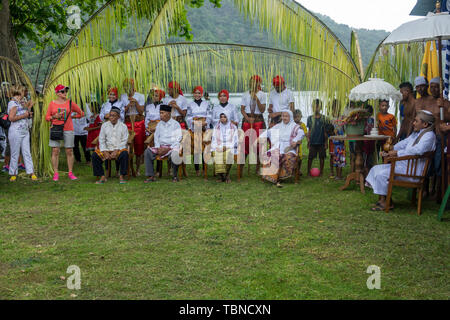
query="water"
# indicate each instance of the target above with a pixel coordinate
(303, 101)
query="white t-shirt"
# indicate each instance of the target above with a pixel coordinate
(249, 103)
(281, 101)
(229, 110)
(19, 125)
(140, 98)
(151, 113)
(106, 108)
(80, 123)
(198, 111)
(181, 101)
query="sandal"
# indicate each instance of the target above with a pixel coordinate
(151, 179)
(378, 208)
(123, 182)
(175, 179)
(100, 182)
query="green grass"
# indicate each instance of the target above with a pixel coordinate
(207, 240)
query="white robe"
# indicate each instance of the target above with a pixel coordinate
(228, 137)
(379, 175)
(280, 135)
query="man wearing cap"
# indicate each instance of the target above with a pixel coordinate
(425, 99)
(58, 113)
(280, 99)
(167, 139)
(433, 105)
(422, 140)
(113, 145)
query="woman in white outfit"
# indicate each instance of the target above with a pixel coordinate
(422, 140)
(224, 145)
(19, 134)
(281, 159)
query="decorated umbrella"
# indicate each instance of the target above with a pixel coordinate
(422, 7)
(434, 27)
(375, 89)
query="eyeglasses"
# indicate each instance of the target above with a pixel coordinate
(63, 91)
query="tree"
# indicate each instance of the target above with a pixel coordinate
(42, 21)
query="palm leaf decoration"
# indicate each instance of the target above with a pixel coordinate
(355, 51)
(396, 63)
(10, 74)
(314, 59)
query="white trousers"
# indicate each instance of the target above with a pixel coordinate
(19, 140)
(378, 178)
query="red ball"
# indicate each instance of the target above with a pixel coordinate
(315, 172)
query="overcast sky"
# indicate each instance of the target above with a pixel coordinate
(369, 14)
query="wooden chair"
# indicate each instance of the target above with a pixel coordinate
(411, 173)
(160, 168)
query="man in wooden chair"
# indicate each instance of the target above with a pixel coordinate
(113, 145)
(167, 139)
(421, 141)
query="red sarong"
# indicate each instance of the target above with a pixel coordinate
(139, 138)
(257, 126)
(92, 135)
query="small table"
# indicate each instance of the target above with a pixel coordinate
(357, 175)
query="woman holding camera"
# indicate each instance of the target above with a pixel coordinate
(18, 133)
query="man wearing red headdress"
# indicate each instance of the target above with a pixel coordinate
(253, 106)
(178, 102)
(134, 103)
(281, 99)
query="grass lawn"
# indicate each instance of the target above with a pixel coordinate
(208, 240)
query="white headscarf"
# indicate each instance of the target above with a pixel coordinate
(224, 132)
(285, 130)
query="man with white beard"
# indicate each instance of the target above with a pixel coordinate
(422, 140)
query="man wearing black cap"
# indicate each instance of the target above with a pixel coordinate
(167, 139)
(113, 145)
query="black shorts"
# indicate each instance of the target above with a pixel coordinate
(317, 149)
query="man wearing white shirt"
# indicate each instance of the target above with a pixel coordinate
(280, 99)
(422, 140)
(79, 126)
(167, 139)
(113, 140)
(178, 102)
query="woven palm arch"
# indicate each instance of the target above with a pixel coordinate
(87, 64)
(396, 63)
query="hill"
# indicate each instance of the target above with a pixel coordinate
(225, 25)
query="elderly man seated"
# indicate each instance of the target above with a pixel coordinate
(422, 140)
(167, 138)
(113, 141)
